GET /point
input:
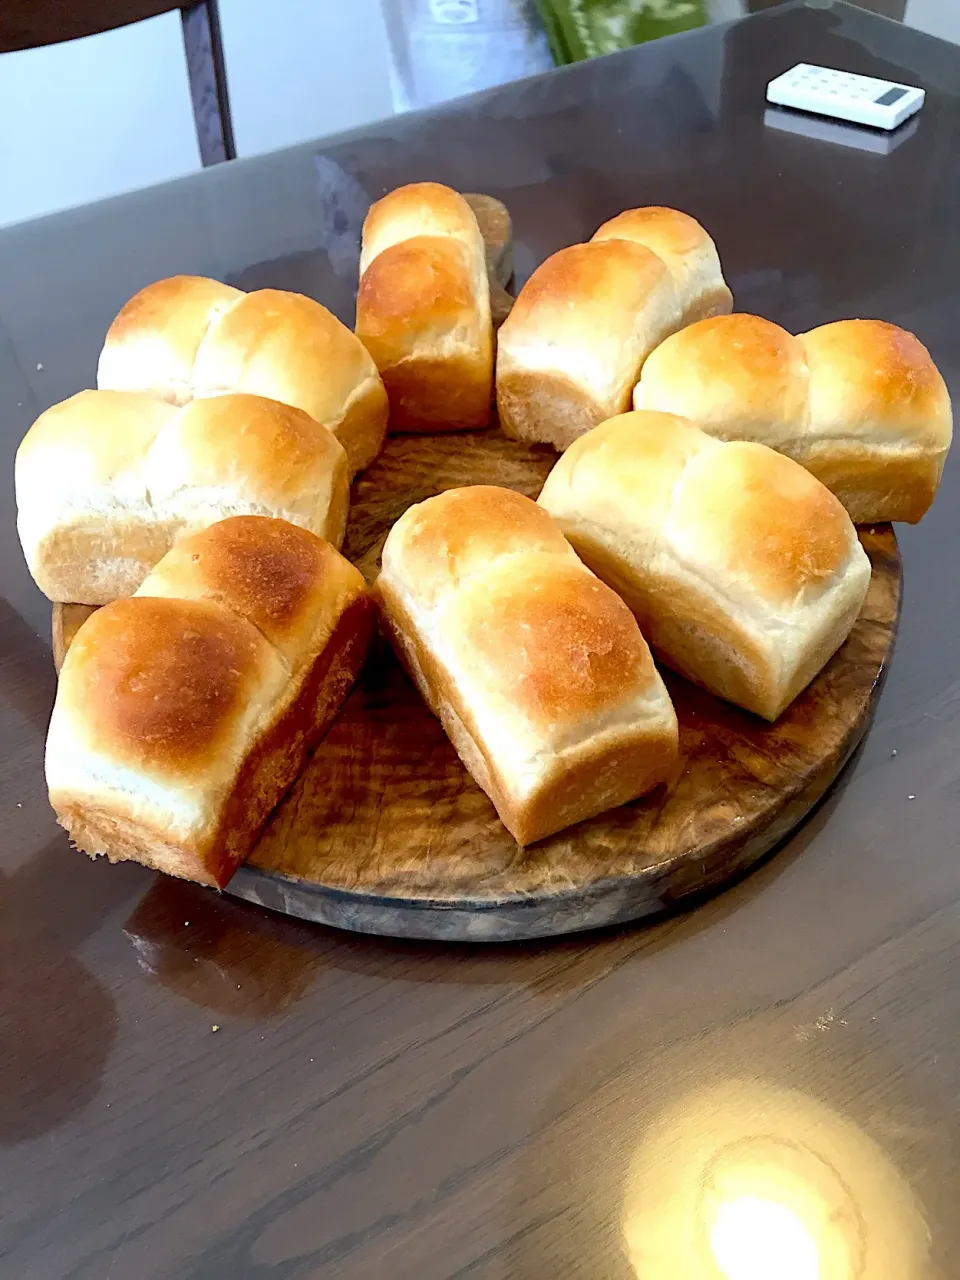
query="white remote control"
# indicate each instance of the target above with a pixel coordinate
(844, 96)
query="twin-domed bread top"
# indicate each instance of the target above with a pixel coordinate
(438, 545)
(183, 713)
(108, 481)
(736, 376)
(871, 375)
(423, 308)
(537, 670)
(165, 671)
(859, 403)
(418, 209)
(744, 572)
(293, 587)
(572, 348)
(189, 337)
(684, 247)
(152, 343)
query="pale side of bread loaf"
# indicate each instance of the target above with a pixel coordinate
(184, 714)
(859, 403)
(744, 572)
(537, 671)
(189, 337)
(108, 481)
(572, 348)
(423, 308)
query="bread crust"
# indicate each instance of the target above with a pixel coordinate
(181, 720)
(188, 337)
(743, 571)
(859, 403)
(688, 252)
(537, 671)
(423, 308)
(153, 340)
(107, 482)
(582, 326)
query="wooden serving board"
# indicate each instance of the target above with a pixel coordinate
(496, 227)
(385, 831)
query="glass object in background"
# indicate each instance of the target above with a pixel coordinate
(440, 49)
(580, 29)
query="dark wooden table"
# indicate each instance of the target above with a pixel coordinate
(190, 1087)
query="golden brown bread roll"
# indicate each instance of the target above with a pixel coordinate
(744, 572)
(686, 250)
(859, 403)
(188, 337)
(183, 714)
(153, 341)
(423, 308)
(107, 481)
(536, 670)
(583, 324)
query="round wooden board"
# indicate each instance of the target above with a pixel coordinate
(385, 832)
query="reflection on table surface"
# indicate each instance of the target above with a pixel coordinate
(749, 1181)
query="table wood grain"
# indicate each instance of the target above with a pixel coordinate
(374, 1109)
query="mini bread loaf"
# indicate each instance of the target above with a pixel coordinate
(188, 337)
(536, 670)
(859, 403)
(744, 572)
(183, 714)
(572, 348)
(687, 251)
(423, 308)
(108, 481)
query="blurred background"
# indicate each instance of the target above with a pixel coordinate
(99, 97)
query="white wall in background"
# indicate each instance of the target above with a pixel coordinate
(299, 69)
(111, 113)
(939, 17)
(94, 117)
